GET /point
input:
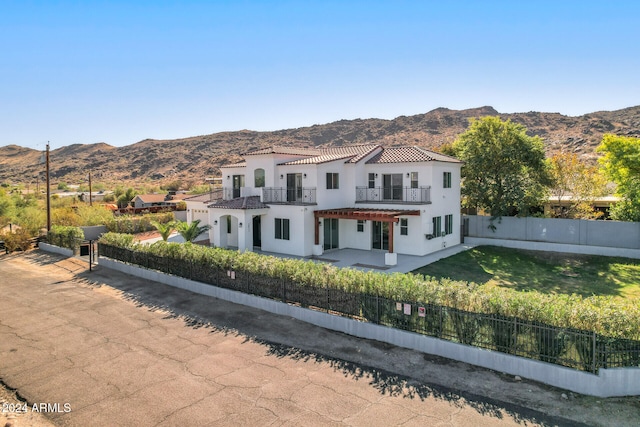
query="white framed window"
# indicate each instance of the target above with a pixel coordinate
(448, 224)
(282, 228)
(437, 226)
(446, 179)
(332, 181)
(360, 226)
(404, 226)
(414, 179)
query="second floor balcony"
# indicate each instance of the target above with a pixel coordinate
(289, 196)
(394, 194)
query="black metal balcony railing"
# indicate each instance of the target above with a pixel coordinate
(291, 196)
(229, 193)
(393, 194)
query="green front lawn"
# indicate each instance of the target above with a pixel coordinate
(548, 272)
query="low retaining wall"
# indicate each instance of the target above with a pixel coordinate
(608, 383)
(55, 249)
(553, 247)
(572, 232)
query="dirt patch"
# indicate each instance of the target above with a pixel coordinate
(13, 414)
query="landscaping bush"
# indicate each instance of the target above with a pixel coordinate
(131, 224)
(65, 236)
(20, 240)
(603, 315)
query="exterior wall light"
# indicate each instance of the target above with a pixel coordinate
(215, 222)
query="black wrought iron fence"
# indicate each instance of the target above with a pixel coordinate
(578, 349)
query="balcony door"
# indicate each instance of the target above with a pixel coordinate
(380, 235)
(392, 186)
(238, 183)
(294, 187)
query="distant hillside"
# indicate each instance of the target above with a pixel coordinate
(194, 158)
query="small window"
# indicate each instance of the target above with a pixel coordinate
(332, 181)
(282, 229)
(404, 227)
(360, 226)
(228, 224)
(448, 224)
(437, 226)
(446, 179)
(258, 177)
(372, 180)
(414, 179)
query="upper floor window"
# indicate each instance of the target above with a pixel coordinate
(372, 180)
(414, 179)
(446, 179)
(258, 177)
(332, 181)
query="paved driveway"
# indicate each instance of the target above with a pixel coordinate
(122, 351)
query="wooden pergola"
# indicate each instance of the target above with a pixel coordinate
(381, 215)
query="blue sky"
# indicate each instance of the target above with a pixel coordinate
(122, 71)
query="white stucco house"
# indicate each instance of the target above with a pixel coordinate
(302, 201)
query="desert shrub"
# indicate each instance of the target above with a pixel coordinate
(132, 224)
(19, 240)
(65, 236)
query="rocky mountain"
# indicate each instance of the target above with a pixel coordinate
(195, 158)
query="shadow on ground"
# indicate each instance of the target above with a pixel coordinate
(252, 325)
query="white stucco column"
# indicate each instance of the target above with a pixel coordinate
(391, 258)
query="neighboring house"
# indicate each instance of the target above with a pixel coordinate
(307, 201)
(556, 205)
(142, 201)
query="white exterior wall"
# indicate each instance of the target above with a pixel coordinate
(301, 219)
(350, 237)
(301, 231)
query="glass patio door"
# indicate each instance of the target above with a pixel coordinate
(331, 233)
(380, 235)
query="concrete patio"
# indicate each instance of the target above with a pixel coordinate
(374, 260)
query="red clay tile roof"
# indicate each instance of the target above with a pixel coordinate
(353, 154)
(298, 151)
(249, 202)
(409, 155)
(235, 165)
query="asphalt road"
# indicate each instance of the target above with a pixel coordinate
(104, 348)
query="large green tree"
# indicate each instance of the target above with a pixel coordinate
(621, 163)
(575, 186)
(504, 169)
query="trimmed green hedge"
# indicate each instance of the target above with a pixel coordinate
(138, 223)
(65, 236)
(600, 314)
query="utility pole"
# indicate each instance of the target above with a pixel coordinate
(90, 201)
(48, 192)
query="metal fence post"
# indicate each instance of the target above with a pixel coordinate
(377, 309)
(594, 352)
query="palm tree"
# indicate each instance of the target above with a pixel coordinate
(164, 229)
(190, 231)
